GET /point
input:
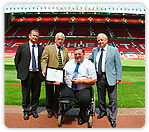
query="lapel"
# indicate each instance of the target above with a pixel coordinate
(108, 52)
(28, 51)
(63, 52)
(38, 50)
(95, 54)
(39, 54)
(55, 51)
(96, 51)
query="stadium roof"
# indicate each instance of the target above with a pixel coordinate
(86, 8)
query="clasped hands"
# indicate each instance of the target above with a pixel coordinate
(76, 81)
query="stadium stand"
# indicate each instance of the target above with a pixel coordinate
(81, 24)
(126, 46)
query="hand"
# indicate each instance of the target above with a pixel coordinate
(76, 81)
(57, 83)
(118, 81)
(43, 73)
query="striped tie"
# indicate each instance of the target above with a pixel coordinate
(60, 58)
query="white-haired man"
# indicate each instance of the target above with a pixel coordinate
(109, 73)
(55, 56)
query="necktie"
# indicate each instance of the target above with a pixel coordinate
(75, 75)
(60, 58)
(100, 62)
(33, 59)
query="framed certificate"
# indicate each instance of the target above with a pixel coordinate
(54, 75)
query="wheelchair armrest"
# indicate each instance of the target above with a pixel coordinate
(67, 100)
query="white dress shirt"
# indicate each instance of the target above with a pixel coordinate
(86, 70)
(103, 58)
(36, 56)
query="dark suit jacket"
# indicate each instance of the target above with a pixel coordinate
(22, 60)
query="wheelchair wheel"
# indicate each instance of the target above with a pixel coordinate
(90, 121)
(60, 120)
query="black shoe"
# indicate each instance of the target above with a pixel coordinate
(35, 114)
(56, 115)
(80, 121)
(113, 123)
(26, 116)
(30, 113)
(50, 114)
(101, 115)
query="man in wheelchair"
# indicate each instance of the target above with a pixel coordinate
(80, 75)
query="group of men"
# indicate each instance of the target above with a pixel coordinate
(103, 68)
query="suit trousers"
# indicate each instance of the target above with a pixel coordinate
(82, 96)
(102, 86)
(31, 83)
(52, 94)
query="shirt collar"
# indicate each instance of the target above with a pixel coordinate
(105, 48)
(58, 47)
(80, 62)
(30, 43)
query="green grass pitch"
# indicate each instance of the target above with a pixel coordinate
(130, 94)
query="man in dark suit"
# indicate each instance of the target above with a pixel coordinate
(55, 56)
(27, 62)
(109, 73)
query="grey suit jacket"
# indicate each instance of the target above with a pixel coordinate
(113, 64)
(22, 60)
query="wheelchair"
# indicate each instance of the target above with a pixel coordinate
(67, 104)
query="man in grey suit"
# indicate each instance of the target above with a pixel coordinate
(27, 62)
(109, 73)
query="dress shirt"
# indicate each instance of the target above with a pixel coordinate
(103, 58)
(86, 70)
(60, 51)
(36, 56)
